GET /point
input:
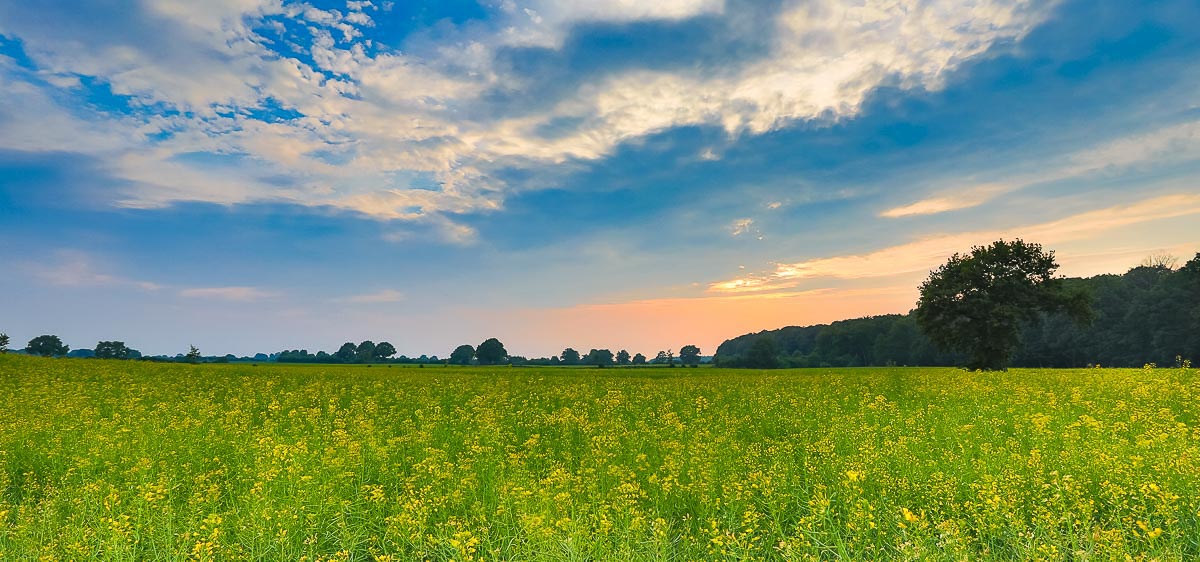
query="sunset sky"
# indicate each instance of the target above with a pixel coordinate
(256, 175)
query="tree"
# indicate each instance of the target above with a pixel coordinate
(976, 303)
(462, 355)
(366, 351)
(763, 353)
(689, 355)
(193, 355)
(660, 358)
(112, 350)
(491, 352)
(347, 352)
(47, 346)
(4, 343)
(639, 359)
(622, 357)
(600, 357)
(569, 356)
(384, 350)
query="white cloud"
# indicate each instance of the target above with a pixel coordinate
(371, 120)
(73, 268)
(236, 294)
(740, 226)
(926, 253)
(1154, 149)
(385, 296)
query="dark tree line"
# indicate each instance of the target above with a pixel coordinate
(1150, 314)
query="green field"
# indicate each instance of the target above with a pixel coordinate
(125, 460)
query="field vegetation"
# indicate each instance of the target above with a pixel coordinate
(118, 460)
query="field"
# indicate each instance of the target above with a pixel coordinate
(125, 460)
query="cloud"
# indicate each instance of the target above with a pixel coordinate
(740, 226)
(1156, 149)
(384, 296)
(926, 253)
(73, 268)
(235, 294)
(300, 94)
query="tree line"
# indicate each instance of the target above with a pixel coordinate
(1149, 314)
(490, 352)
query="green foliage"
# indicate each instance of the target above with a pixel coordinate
(639, 359)
(599, 357)
(689, 355)
(347, 353)
(569, 357)
(193, 355)
(491, 352)
(113, 350)
(365, 351)
(462, 355)
(47, 346)
(763, 353)
(384, 350)
(622, 357)
(139, 461)
(976, 303)
(4, 343)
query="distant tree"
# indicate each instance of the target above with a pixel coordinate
(660, 358)
(491, 352)
(622, 357)
(365, 351)
(47, 346)
(763, 354)
(462, 355)
(264, 357)
(384, 350)
(3, 343)
(347, 352)
(569, 356)
(193, 355)
(689, 355)
(1160, 260)
(976, 303)
(112, 350)
(600, 357)
(639, 359)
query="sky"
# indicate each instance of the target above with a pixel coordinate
(258, 175)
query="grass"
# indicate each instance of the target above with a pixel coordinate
(124, 460)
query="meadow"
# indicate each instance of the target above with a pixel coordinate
(125, 460)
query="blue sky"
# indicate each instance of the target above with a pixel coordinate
(255, 175)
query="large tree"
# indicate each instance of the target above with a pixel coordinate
(622, 357)
(112, 350)
(462, 355)
(600, 357)
(46, 346)
(366, 351)
(491, 352)
(689, 355)
(569, 356)
(976, 303)
(4, 343)
(347, 352)
(639, 359)
(384, 350)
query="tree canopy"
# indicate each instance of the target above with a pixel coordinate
(976, 303)
(462, 355)
(491, 352)
(4, 339)
(113, 350)
(384, 350)
(569, 356)
(689, 355)
(47, 346)
(600, 357)
(622, 357)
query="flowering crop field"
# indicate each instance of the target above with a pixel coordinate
(127, 460)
